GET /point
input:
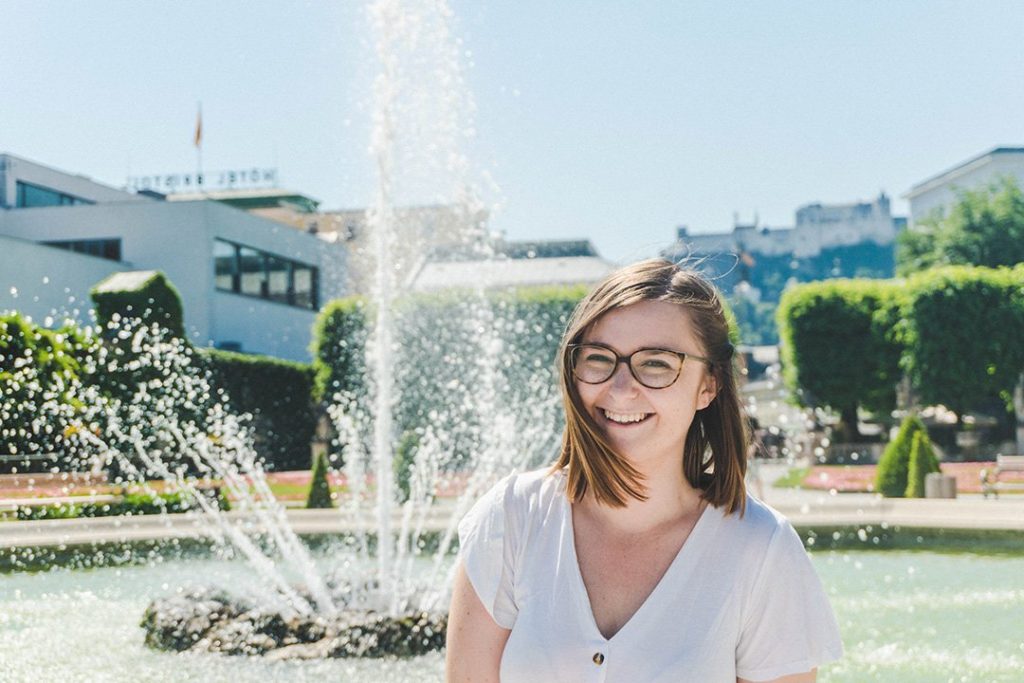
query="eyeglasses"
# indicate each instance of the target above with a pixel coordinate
(653, 368)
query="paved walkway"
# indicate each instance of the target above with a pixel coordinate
(803, 508)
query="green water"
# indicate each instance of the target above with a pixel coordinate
(905, 616)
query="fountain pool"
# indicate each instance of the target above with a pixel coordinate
(905, 616)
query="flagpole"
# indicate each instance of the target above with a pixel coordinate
(198, 141)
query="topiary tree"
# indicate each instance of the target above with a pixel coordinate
(894, 466)
(320, 489)
(144, 294)
(922, 463)
(962, 330)
(339, 347)
(839, 348)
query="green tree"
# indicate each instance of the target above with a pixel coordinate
(962, 329)
(922, 463)
(984, 228)
(320, 489)
(838, 346)
(894, 465)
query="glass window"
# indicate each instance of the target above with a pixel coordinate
(305, 286)
(253, 272)
(102, 248)
(225, 266)
(278, 279)
(29, 195)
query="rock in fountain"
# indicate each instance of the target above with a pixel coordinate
(212, 621)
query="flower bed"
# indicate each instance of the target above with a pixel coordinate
(861, 478)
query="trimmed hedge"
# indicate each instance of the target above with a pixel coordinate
(278, 394)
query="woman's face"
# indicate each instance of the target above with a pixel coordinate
(647, 425)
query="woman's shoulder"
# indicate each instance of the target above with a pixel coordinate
(515, 507)
(757, 527)
(530, 494)
(520, 491)
(537, 485)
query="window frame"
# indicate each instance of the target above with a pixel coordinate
(290, 296)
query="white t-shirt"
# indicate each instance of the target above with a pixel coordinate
(740, 599)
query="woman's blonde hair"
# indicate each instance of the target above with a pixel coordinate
(714, 454)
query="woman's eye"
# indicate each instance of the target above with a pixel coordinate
(598, 359)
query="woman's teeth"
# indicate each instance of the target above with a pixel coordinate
(624, 418)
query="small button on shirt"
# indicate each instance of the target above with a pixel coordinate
(740, 599)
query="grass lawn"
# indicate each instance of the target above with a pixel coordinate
(793, 479)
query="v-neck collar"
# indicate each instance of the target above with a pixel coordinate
(685, 558)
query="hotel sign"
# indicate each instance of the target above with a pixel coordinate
(169, 183)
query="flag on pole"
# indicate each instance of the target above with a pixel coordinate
(198, 142)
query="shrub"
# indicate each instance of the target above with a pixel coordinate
(894, 465)
(140, 503)
(922, 463)
(40, 372)
(320, 488)
(405, 456)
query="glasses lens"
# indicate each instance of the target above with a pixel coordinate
(656, 369)
(593, 364)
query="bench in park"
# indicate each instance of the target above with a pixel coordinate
(990, 482)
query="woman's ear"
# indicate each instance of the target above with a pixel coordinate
(708, 391)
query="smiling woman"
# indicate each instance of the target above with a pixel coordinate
(639, 556)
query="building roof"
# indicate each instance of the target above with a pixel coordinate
(247, 199)
(959, 170)
(498, 274)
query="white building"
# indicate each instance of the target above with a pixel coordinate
(936, 194)
(818, 226)
(246, 283)
(518, 264)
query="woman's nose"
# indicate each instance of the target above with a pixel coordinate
(622, 379)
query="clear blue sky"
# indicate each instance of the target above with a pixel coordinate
(615, 121)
